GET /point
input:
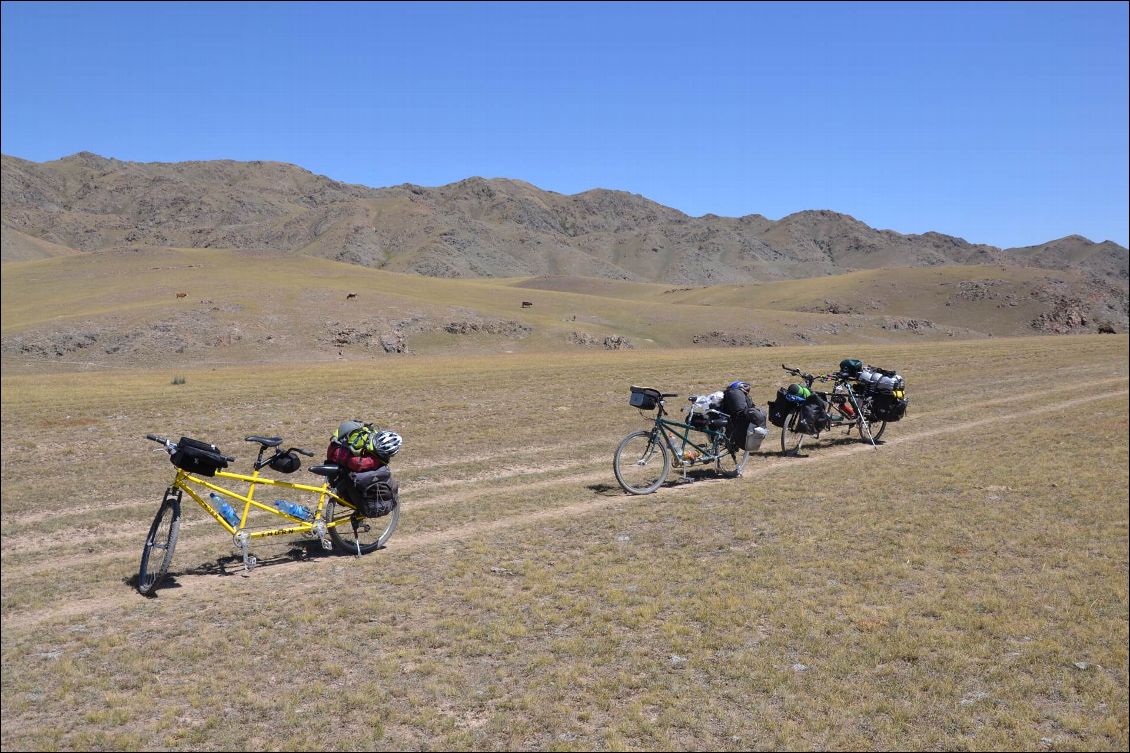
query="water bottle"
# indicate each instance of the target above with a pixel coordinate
(290, 508)
(227, 512)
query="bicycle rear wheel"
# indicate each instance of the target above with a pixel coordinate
(641, 462)
(877, 428)
(354, 532)
(791, 438)
(159, 545)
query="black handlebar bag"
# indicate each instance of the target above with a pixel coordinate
(198, 457)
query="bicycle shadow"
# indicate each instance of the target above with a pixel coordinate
(693, 475)
(232, 564)
(825, 442)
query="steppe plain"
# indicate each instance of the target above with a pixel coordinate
(963, 586)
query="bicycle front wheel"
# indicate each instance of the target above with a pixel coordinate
(354, 534)
(159, 546)
(641, 462)
(791, 438)
(731, 458)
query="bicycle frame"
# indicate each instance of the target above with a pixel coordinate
(677, 435)
(840, 416)
(185, 482)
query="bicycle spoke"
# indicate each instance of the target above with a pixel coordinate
(641, 462)
(357, 535)
(157, 553)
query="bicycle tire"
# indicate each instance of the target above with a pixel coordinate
(160, 543)
(791, 439)
(876, 434)
(371, 533)
(871, 424)
(731, 460)
(636, 452)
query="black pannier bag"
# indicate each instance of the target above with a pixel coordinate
(781, 408)
(822, 421)
(813, 418)
(373, 493)
(198, 457)
(714, 421)
(887, 408)
(644, 398)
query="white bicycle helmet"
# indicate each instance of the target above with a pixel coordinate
(385, 444)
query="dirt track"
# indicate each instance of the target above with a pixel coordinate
(118, 594)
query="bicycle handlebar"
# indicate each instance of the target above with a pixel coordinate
(171, 446)
(809, 378)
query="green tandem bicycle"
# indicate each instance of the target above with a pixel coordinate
(644, 458)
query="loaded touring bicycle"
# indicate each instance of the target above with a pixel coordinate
(862, 399)
(644, 458)
(336, 519)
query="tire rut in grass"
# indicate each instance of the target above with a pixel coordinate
(187, 586)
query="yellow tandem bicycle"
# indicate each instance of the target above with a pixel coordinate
(335, 521)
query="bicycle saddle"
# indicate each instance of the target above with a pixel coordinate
(265, 441)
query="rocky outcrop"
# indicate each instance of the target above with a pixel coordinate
(729, 340)
(1069, 315)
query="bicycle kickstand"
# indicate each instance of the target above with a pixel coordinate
(323, 535)
(249, 560)
(356, 538)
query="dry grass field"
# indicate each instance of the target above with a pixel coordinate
(962, 587)
(119, 309)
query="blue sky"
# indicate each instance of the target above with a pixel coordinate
(1000, 123)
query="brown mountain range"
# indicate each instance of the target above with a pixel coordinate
(473, 228)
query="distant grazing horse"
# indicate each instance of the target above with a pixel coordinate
(527, 304)
(181, 295)
(350, 295)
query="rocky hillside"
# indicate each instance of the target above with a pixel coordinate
(473, 228)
